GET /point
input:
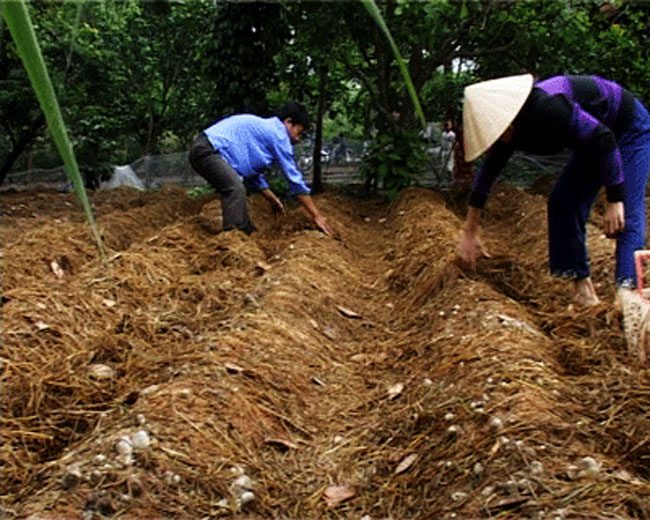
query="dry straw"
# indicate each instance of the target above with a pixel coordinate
(335, 379)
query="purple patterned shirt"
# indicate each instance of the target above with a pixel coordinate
(582, 113)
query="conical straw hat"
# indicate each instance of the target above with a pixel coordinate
(488, 109)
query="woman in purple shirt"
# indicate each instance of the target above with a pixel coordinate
(233, 154)
(608, 131)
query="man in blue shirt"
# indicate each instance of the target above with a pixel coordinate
(233, 153)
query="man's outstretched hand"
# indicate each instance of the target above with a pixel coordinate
(322, 224)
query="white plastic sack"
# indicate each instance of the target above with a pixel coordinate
(123, 176)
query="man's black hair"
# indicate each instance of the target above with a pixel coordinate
(296, 112)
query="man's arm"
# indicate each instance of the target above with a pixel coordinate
(273, 199)
(308, 203)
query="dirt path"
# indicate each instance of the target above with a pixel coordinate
(366, 377)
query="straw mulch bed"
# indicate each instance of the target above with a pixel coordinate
(290, 375)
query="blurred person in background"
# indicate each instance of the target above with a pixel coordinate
(447, 141)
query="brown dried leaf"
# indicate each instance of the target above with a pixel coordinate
(232, 368)
(329, 332)
(334, 495)
(262, 266)
(281, 444)
(406, 463)
(41, 325)
(348, 313)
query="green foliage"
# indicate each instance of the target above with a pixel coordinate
(22, 31)
(132, 72)
(379, 20)
(199, 191)
(169, 142)
(243, 39)
(394, 160)
(136, 77)
(277, 183)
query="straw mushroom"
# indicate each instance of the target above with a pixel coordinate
(536, 468)
(589, 467)
(510, 487)
(246, 497)
(237, 470)
(496, 424)
(71, 478)
(168, 477)
(95, 477)
(124, 446)
(99, 459)
(244, 482)
(457, 496)
(524, 485)
(487, 491)
(125, 460)
(101, 371)
(140, 440)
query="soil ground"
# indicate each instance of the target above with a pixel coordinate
(290, 375)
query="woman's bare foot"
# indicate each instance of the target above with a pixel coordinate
(585, 293)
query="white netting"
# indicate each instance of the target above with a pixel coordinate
(173, 168)
(150, 171)
(53, 178)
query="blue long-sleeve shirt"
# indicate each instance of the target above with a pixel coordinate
(581, 113)
(250, 144)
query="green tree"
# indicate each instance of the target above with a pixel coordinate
(242, 42)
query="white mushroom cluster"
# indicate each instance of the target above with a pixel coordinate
(170, 478)
(496, 424)
(121, 456)
(586, 467)
(126, 445)
(242, 489)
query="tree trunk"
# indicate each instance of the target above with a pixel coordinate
(317, 179)
(150, 130)
(463, 173)
(21, 145)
